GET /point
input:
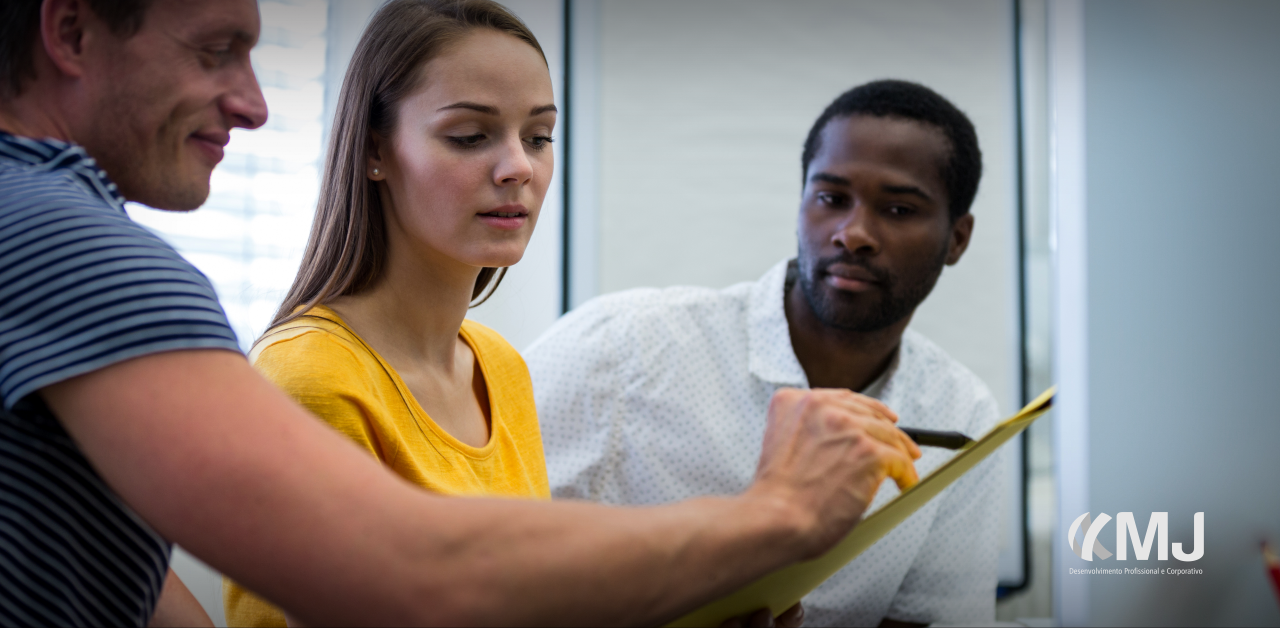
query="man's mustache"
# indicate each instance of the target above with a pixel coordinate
(882, 276)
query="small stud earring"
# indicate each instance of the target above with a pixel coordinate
(376, 172)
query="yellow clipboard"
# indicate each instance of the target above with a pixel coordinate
(781, 589)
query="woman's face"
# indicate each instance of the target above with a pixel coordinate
(470, 160)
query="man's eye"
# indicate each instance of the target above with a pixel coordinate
(833, 200)
(467, 141)
(214, 57)
(901, 210)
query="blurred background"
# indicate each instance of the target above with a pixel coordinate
(1120, 248)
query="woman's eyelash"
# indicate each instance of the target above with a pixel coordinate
(538, 142)
(467, 141)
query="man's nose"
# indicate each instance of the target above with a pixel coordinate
(857, 232)
(244, 105)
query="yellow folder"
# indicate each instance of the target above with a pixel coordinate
(781, 589)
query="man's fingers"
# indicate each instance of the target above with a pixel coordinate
(892, 436)
(889, 435)
(872, 406)
(861, 412)
(913, 449)
(899, 467)
(864, 406)
(858, 404)
(868, 405)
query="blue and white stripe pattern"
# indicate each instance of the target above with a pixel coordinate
(81, 287)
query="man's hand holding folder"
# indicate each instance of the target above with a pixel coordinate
(781, 589)
(854, 429)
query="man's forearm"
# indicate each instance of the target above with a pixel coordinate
(461, 561)
(220, 462)
(630, 566)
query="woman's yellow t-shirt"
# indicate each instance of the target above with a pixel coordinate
(327, 368)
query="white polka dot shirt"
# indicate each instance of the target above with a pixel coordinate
(651, 396)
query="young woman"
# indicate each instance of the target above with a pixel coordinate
(439, 162)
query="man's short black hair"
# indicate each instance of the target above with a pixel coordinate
(20, 30)
(911, 101)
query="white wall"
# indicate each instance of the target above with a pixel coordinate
(1168, 330)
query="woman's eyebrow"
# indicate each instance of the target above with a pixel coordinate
(493, 111)
(486, 109)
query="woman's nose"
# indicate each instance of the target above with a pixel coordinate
(513, 165)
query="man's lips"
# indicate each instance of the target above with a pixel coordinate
(851, 277)
(210, 143)
(512, 216)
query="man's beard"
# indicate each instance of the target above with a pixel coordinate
(148, 165)
(894, 297)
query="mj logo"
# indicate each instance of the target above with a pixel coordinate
(1126, 529)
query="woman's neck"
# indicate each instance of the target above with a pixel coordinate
(414, 310)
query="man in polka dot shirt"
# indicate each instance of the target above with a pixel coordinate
(651, 396)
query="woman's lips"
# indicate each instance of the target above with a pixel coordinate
(508, 217)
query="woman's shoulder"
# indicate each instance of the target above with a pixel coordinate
(488, 342)
(313, 345)
(499, 359)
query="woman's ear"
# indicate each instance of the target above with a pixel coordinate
(376, 168)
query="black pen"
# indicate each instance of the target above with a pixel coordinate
(931, 438)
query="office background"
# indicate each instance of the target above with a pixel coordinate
(1120, 241)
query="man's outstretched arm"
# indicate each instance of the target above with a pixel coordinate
(219, 461)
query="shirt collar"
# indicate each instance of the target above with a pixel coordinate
(51, 155)
(770, 355)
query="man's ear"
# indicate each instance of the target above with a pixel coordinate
(65, 25)
(961, 230)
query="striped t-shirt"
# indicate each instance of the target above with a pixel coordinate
(81, 287)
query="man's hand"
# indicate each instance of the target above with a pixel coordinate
(825, 455)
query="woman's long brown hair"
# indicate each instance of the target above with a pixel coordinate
(346, 251)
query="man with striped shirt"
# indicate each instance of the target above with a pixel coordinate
(82, 287)
(129, 419)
